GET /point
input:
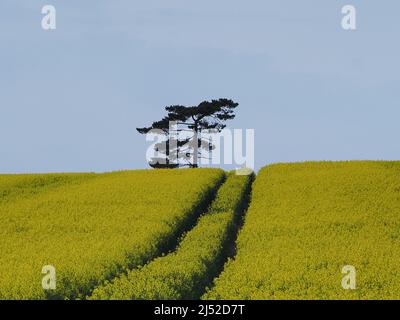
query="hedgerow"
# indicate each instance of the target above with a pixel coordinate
(185, 273)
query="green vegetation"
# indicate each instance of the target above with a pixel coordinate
(306, 221)
(185, 273)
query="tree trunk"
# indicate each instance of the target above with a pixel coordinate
(195, 149)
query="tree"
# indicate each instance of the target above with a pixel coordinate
(181, 132)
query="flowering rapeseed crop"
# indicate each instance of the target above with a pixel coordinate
(93, 228)
(18, 186)
(185, 273)
(306, 221)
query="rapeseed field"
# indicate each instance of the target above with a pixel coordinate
(185, 273)
(168, 234)
(306, 222)
(18, 186)
(92, 227)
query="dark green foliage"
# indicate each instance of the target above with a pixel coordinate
(183, 145)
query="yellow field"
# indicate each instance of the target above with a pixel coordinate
(166, 234)
(91, 227)
(306, 221)
(185, 273)
(19, 186)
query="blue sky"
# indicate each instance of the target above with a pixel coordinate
(71, 98)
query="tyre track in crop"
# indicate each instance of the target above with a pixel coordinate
(231, 247)
(190, 222)
(171, 244)
(190, 269)
(231, 250)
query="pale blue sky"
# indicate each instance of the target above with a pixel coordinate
(70, 99)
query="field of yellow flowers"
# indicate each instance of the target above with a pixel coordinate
(171, 234)
(185, 273)
(92, 227)
(306, 222)
(19, 186)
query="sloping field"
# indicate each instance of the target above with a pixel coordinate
(185, 273)
(18, 186)
(306, 221)
(94, 228)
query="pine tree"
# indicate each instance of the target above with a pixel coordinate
(182, 144)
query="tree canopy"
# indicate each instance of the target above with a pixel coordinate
(181, 130)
